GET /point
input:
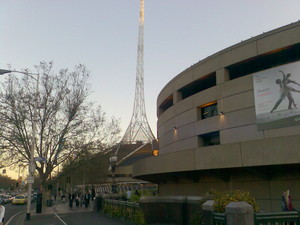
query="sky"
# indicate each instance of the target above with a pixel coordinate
(103, 35)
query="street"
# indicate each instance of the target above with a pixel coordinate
(11, 210)
(59, 214)
(66, 219)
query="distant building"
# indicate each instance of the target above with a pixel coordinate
(232, 121)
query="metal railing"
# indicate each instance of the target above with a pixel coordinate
(219, 218)
(124, 210)
(278, 218)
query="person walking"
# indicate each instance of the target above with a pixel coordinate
(77, 200)
(71, 199)
(87, 197)
(128, 193)
(2, 213)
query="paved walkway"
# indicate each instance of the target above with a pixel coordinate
(60, 213)
(60, 208)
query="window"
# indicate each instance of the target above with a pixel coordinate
(167, 103)
(209, 110)
(199, 85)
(271, 59)
(209, 139)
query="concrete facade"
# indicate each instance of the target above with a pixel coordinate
(264, 162)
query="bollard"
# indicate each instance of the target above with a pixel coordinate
(208, 208)
(239, 213)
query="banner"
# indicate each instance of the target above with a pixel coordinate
(277, 96)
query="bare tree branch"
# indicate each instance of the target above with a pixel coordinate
(68, 125)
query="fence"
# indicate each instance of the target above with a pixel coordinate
(219, 219)
(124, 210)
(279, 218)
(132, 213)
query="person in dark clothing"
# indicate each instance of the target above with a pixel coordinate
(86, 199)
(77, 199)
(93, 193)
(71, 199)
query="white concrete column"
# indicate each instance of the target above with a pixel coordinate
(222, 76)
(208, 208)
(239, 213)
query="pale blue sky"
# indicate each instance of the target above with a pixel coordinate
(103, 35)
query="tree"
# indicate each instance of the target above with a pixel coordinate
(68, 125)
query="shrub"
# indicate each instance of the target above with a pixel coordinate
(197, 218)
(131, 215)
(223, 199)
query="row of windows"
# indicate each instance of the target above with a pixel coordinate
(213, 138)
(272, 59)
(275, 58)
(206, 111)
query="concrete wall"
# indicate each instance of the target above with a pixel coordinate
(266, 192)
(235, 97)
(242, 145)
(272, 151)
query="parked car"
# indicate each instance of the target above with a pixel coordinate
(19, 200)
(6, 199)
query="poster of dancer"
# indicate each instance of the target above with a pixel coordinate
(277, 96)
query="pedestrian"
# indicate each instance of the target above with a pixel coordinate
(77, 200)
(63, 198)
(82, 202)
(71, 198)
(2, 212)
(128, 193)
(87, 197)
(93, 193)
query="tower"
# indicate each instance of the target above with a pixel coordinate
(139, 129)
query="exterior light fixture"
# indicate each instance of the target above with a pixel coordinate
(174, 128)
(155, 152)
(155, 148)
(221, 113)
(113, 164)
(113, 159)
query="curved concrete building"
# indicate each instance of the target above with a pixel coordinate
(232, 121)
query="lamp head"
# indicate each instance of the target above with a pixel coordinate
(4, 71)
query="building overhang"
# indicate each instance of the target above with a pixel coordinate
(258, 153)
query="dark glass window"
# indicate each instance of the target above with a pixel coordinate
(199, 85)
(209, 110)
(209, 139)
(167, 103)
(271, 59)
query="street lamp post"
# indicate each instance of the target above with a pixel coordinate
(113, 163)
(31, 161)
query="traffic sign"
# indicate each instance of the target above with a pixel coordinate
(40, 159)
(32, 168)
(30, 180)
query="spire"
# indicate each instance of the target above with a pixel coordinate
(139, 129)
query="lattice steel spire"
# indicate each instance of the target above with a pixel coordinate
(139, 129)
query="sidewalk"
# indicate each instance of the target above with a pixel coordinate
(60, 213)
(59, 207)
